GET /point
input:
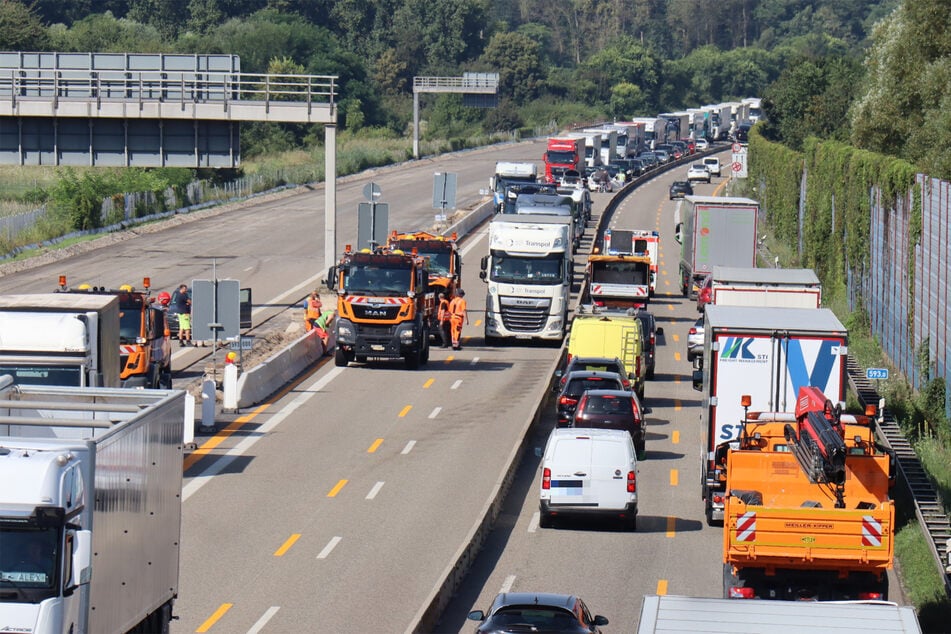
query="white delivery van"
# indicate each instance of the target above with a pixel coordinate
(589, 472)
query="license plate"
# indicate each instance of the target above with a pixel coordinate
(376, 348)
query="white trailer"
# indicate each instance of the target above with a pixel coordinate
(767, 354)
(671, 614)
(528, 271)
(511, 173)
(90, 488)
(655, 130)
(781, 288)
(67, 339)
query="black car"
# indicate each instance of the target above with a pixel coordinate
(537, 612)
(650, 330)
(576, 383)
(593, 364)
(613, 409)
(679, 189)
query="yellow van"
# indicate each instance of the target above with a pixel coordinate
(611, 334)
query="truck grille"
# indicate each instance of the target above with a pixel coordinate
(375, 311)
(524, 315)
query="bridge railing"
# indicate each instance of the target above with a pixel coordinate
(165, 86)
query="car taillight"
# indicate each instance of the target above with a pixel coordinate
(871, 596)
(546, 478)
(567, 400)
(692, 331)
(653, 340)
(631, 482)
(626, 383)
(742, 593)
(637, 366)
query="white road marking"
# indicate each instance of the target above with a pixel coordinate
(507, 584)
(257, 627)
(474, 361)
(533, 524)
(435, 412)
(409, 447)
(376, 489)
(221, 463)
(329, 547)
(456, 385)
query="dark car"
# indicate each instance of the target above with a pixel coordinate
(679, 189)
(650, 158)
(613, 409)
(594, 364)
(576, 384)
(537, 612)
(650, 330)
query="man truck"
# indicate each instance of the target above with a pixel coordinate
(564, 154)
(714, 230)
(385, 307)
(767, 353)
(528, 271)
(90, 508)
(61, 339)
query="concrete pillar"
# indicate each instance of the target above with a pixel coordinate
(415, 124)
(230, 388)
(330, 195)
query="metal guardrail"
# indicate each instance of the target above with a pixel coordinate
(166, 86)
(911, 474)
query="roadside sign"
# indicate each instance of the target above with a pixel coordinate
(215, 309)
(444, 190)
(737, 148)
(737, 166)
(876, 373)
(372, 191)
(246, 342)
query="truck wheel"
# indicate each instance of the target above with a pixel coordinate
(411, 361)
(340, 357)
(424, 357)
(632, 523)
(544, 520)
(708, 510)
(165, 379)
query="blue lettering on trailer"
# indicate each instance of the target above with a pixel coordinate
(796, 364)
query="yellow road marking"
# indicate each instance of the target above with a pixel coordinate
(428, 383)
(677, 405)
(662, 587)
(376, 445)
(675, 437)
(220, 612)
(676, 356)
(676, 338)
(670, 307)
(674, 477)
(666, 282)
(405, 411)
(478, 322)
(286, 546)
(671, 526)
(449, 358)
(334, 491)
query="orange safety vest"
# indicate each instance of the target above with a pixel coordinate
(443, 312)
(457, 309)
(313, 308)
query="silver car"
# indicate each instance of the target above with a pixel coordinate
(695, 341)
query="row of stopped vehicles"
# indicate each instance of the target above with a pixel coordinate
(387, 297)
(86, 337)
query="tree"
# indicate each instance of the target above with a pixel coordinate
(103, 32)
(624, 60)
(517, 59)
(626, 99)
(20, 28)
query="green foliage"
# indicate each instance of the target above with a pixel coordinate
(923, 582)
(624, 61)
(20, 28)
(105, 33)
(517, 60)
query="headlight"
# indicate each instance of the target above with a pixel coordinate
(344, 331)
(406, 335)
(555, 325)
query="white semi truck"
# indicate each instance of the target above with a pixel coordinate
(90, 508)
(767, 354)
(528, 271)
(782, 288)
(511, 173)
(68, 339)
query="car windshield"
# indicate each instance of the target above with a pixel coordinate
(577, 387)
(531, 619)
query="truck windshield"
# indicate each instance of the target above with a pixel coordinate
(620, 273)
(28, 561)
(65, 375)
(367, 279)
(521, 270)
(439, 262)
(563, 158)
(130, 325)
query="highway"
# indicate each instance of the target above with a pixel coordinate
(338, 505)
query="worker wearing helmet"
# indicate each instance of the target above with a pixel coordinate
(164, 299)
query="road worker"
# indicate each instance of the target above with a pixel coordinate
(458, 314)
(443, 317)
(312, 311)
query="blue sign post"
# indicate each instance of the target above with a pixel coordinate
(876, 373)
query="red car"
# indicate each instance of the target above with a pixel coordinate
(613, 409)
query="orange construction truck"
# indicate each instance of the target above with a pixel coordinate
(145, 349)
(808, 514)
(445, 261)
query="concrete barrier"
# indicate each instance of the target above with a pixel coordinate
(260, 382)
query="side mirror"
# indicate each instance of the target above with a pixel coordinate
(82, 559)
(476, 615)
(600, 620)
(331, 280)
(659, 332)
(697, 380)
(646, 410)
(483, 276)
(492, 183)
(484, 263)
(678, 233)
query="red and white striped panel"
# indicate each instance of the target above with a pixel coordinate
(635, 291)
(746, 527)
(871, 531)
(127, 349)
(360, 299)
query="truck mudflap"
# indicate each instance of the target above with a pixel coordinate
(812, 536)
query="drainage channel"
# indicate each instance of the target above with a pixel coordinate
(928, 507)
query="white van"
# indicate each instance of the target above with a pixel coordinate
(589, 472)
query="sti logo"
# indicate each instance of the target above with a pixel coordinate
(738, 348)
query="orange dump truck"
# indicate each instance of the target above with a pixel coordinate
(445, 261)
(808, 514)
